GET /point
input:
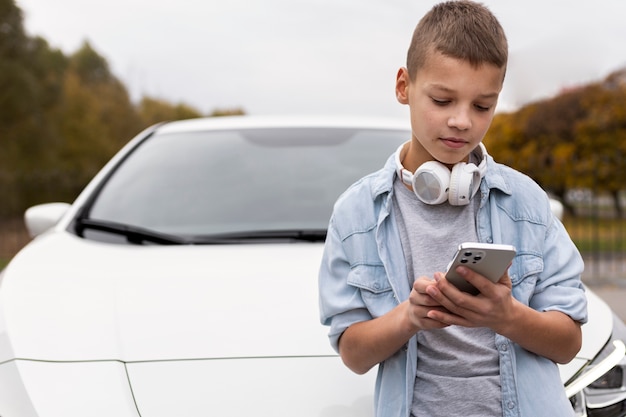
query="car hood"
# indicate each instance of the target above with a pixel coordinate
(179, 330)
(69, 299)
(170, 330)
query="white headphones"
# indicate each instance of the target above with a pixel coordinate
(434, 183)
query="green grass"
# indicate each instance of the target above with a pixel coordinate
(597, 235)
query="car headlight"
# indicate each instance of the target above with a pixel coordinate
(600, 390)
(611, 380)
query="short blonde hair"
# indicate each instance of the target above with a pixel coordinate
(459, 29)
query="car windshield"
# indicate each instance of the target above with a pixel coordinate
(239, 183)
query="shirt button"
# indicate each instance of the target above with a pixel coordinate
(511, 405)
(504, 347)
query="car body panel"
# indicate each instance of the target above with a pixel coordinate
(71, 389)
(136, 303)
(280, 386)
(597, 331)
(596, 334)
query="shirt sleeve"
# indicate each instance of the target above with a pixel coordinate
(559, 287)
(340, 304)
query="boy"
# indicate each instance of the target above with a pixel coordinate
(442, 352)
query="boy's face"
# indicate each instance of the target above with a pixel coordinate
(451, 104)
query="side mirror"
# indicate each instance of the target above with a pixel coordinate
(557, 208)
(43, 217)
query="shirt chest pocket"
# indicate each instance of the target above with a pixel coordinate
(374, 288)
(368, 274)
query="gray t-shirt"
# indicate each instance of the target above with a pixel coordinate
(458, 371)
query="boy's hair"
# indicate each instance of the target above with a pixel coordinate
(459, 29)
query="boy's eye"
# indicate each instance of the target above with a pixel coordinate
(445, 102)
(440, 102)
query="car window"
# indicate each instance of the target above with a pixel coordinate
(214, 182)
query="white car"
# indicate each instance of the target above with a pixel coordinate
(183, 282)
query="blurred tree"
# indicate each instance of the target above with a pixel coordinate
(506, 140)
(227, 112)
(30, 84)
(602, 138)
(576, 139)
(551, 126)
(152, 111)
(95, 117)
(61, 118)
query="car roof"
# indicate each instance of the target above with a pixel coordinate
(255, 122)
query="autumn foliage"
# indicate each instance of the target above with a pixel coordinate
(575, 140)
(62, 117)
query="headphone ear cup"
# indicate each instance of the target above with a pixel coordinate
(431, 182)
(463, 180)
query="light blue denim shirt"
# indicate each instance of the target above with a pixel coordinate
(363, 275)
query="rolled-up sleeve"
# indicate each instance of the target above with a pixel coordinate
(559, 287)
(340, 304)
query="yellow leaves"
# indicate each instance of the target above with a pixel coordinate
(569, 141)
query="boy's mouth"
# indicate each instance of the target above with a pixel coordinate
(455, 143)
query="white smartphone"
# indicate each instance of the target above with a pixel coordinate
(488, 259)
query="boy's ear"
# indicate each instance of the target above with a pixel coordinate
(402, 86)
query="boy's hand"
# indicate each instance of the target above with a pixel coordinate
(493, 307)
(421, 304)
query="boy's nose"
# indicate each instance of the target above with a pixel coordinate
(460, 120)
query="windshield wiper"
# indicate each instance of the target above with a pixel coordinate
(133, 234)
(139, 235)
(306, 235)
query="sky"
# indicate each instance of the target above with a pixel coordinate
(323, 57)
